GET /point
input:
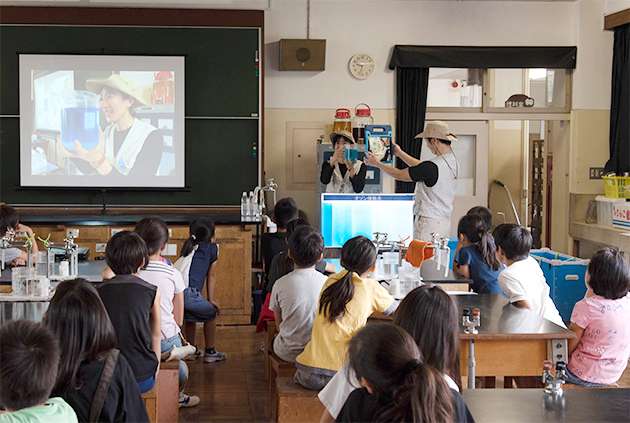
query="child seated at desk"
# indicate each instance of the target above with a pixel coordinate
(294, 296)
(29, 359)
(133, 306)
(601, 321)
(396, 385)
(347, 300)
(523, 280)
(476, 256)
(9, 221)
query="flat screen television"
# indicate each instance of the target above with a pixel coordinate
(102, 121)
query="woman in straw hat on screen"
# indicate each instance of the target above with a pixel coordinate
(339, 174)
(128, 145)
(435, 179)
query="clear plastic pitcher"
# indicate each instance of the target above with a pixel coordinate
(79, 119)
(22, 280)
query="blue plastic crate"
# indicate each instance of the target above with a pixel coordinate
(565, 276)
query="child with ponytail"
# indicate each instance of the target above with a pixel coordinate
(197, 264)
(476, 255)
(396, 385)
(347, 300)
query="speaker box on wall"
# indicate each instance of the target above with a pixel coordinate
(302, 55)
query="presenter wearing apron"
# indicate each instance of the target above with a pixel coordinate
(128, 145)
(435, 179)
(339, 174)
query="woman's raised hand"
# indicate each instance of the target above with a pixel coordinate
(337, 157)
(371, 159)
(396, 150)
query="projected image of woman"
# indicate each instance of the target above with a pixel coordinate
(128, 145)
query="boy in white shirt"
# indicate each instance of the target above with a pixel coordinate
(295, 296)
(523, 280)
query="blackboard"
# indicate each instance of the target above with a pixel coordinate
(222, 126)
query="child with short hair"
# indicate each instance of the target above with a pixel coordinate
(87, 339)
(29, 360)
(347, 300)
(133, 306)
(294, 296)
(9, 221)
(476, 256)
(284, 211)
(601, 321)
(203, 263)
(523, 280)
(168, 280)
(397, 386)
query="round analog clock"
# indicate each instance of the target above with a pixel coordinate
(361, 65)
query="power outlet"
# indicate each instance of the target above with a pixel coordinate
(100, 247)
(595, 172)
(72, 232)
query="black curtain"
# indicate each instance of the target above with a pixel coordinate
(411, 105)
(620, 104)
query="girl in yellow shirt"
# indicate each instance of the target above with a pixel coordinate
(346, 301)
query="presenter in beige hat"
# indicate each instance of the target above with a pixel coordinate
(435, 179)
(128, 145)
(341, 175)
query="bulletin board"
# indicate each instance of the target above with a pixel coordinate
(223, 125)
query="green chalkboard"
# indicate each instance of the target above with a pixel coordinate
(222, 107)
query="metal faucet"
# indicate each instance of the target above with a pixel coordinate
(440, 244)
(71, 249)
(399, 245)
(469, 323)
(8, 241)
(554, 383)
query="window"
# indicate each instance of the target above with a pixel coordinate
(455, 88)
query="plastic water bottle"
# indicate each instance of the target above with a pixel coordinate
(244, 206)
(252, 205)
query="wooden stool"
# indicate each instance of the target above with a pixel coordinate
(269, 335)
(150, 400)
(168, 379)
(277, 368)
(296, 403)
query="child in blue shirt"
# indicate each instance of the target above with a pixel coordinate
(476, 255)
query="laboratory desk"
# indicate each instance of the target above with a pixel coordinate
(451, 282)
(533, 405)
(89, 269)
(512, 341)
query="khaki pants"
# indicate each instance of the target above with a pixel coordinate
(424, 226)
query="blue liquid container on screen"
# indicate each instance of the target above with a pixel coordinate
(79, 119)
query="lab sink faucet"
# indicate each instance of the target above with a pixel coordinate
(554, 383)
(440, 245)
(9, 241)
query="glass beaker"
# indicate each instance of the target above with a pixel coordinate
(22, 281)
(409, 278)
(350, 152)
(390, 262)
(41, 263)
(79, 119)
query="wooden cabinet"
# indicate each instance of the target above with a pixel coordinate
(233, 289)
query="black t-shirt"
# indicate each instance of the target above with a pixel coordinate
(123, 402)
(272, 244)
(363, 407)
(426, 172)
(128, 300)
(358, 181)
(147, 161)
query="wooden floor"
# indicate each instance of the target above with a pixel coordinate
(235, 390)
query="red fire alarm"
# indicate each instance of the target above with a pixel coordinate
(455, 84)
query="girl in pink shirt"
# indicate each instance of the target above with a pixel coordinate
(601, 321)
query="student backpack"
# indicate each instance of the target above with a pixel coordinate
(183, 265)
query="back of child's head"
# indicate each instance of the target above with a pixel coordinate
(389, 360)
(609, 274)
(126, 252)
(485, 214)
(9, 218)
(306, 246)
(358, 255)
(429, 315)
(473, 227)
(154, 231)
(29, 359)
(285, 211)
(80, 322)
(515, 240)
(202, 229)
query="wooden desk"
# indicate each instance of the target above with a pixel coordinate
(533, 405)
(512, 341)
